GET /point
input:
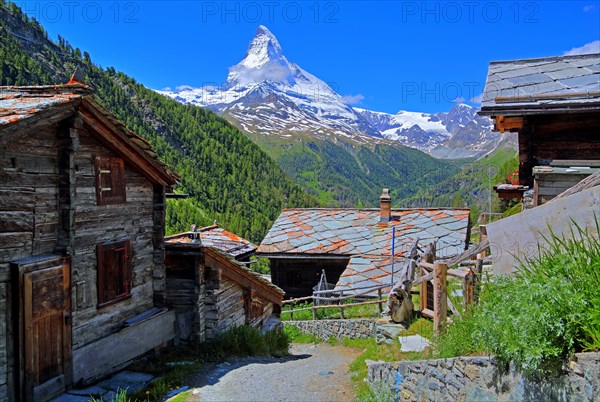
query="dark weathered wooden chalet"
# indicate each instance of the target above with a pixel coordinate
(553, 104)
(354, 246)
(210, 290)
(82, 209)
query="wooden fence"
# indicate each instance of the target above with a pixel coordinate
(337, 301)
(430, 271)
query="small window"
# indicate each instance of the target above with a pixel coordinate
(110, 180)
(114, 272)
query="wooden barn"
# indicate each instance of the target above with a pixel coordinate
(553, 104)
(354, 246)
(82, 209)
(211, 290)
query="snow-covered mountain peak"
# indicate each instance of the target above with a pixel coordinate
(265, 93)
(264, 61)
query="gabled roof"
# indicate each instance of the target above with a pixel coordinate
(28, 107)
(216, 237)
(543, 85)
(245, 277)
(359, 235)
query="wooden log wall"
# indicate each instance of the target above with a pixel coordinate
(29, 221)
(94, 224)
(185, 293)
(570, 136)
(224, 304)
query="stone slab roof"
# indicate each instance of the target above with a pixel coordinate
(359, 234)
(529, 86)
(216, 237)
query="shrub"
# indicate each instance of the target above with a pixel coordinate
(247, 341)
(548, 310)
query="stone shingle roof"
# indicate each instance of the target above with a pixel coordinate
(528, 86)
(216, 237)
(358, 234)
(26, 106)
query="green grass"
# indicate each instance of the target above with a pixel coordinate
(373, 351)
(295, 335)
(537, 318)
(368, 311)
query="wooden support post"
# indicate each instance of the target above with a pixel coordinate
(467, 289)
(292, 311)
(314, 312)
(428, 257)
(482, 237)
(379, 298)
(477, 272)
(440, 297)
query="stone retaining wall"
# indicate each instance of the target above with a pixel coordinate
(479, 379)
(323, 329)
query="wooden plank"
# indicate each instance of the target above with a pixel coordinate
(575, 162)
(440, 297)
(16, 221)
(111, 353)
(452, 261)
(428, 258)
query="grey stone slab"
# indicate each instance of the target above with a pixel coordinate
(133, 376)
(517, 72)
(93, 390)
(530, 79)
(413, 343)
(583, 80)
(568, 72)
(70, 398)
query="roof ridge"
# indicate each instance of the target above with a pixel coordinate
(548, 58)
(37, 90)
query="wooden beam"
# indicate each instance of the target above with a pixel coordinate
(547, 96)
(440, 297)
(504, 123)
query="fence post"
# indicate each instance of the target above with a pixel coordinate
(314, 311)
(478, 270)
(292, 311)
(428, 257)
(379, 304)
(467, 289)
(440, 297)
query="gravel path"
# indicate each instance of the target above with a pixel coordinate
(312, 373)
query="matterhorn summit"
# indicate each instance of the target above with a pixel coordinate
(263, 62)
(267, 94)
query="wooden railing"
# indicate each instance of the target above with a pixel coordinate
(337, 301)
(437, 274)
(431, 270)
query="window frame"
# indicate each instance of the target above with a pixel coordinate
(107, 253)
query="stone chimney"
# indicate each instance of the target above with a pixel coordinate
(385, 203)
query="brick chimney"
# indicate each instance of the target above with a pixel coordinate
(385, 202)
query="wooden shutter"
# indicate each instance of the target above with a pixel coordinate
(114, 272)
(110, 180)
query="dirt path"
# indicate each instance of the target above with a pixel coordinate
(312, 373)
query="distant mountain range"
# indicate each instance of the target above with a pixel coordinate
(266, 94)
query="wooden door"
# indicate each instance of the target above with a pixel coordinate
(46, 327)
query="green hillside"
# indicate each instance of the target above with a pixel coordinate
(473, 185)
(346, 174)
(229, 178)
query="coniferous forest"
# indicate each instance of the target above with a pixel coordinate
(229, 178)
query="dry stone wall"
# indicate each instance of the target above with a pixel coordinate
(323, 329)
(480, 379)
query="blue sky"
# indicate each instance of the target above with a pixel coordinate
(384, 55)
